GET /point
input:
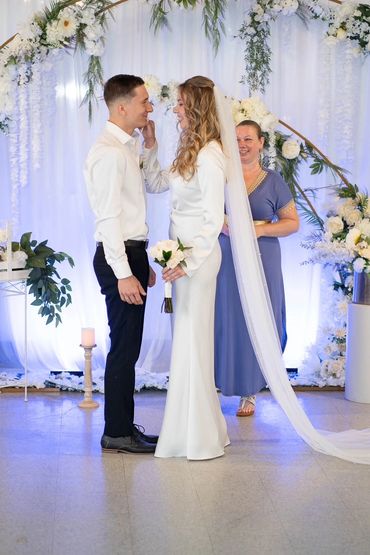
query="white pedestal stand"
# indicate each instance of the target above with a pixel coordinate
(13, 283)
(357, 386)
(88, 402)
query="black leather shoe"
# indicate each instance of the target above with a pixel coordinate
(126, 444)
(138, 431)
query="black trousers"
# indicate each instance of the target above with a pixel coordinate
(126, 330)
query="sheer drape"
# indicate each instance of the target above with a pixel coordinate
(54, 203)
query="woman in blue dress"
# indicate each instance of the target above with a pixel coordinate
(236, 368)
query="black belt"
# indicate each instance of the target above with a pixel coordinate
(130, 243)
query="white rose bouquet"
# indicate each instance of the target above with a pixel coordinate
(169, 254)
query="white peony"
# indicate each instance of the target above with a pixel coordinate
(290, 149)
(359, 265)
(334, 224)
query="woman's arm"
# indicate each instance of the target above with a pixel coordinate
(287, 223)
(156, 180)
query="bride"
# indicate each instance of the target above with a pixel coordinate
(193, 424)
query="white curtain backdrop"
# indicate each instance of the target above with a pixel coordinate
(321, 92)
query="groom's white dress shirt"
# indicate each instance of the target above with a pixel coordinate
(116, 192)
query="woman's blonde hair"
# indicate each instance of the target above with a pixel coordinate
(203, 126)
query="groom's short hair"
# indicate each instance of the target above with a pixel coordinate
(120, 86)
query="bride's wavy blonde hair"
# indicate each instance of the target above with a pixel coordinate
(203, 126)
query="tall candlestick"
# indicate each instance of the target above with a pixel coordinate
(88, 402)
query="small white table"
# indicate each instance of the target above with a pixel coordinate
(13, 283)
(357, 386)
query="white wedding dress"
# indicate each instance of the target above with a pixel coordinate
(193, 424)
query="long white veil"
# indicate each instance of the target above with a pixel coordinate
(351, 445)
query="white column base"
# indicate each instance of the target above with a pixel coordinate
(357, 387)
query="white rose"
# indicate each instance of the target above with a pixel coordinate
(359, 265)
(290, 149)
(168, 245)
(3, 236)
(334, 224)
(175, 259)
(155, 252)
(341, 34)
(353, 237)
(353, 217)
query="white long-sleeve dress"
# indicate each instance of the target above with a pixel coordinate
(193, 424)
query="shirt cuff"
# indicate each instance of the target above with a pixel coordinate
(121, 270)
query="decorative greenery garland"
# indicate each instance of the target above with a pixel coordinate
(82, 24)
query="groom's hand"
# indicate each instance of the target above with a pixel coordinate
(148, 133)
(152, 277)
(130, 290)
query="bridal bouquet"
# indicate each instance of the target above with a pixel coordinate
(169, 254)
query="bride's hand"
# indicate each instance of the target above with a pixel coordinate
(148, 133)
(169, 274)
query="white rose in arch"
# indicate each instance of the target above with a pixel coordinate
(291, 149)
(334, 224)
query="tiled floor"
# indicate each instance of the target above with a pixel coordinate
(270, 493)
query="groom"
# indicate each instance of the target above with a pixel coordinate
(117, 196)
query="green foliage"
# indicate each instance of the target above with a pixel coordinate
(257, 57)
(51, 292)
(213, 16)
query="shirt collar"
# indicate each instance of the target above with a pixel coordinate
(121, 135)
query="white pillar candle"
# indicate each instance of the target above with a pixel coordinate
(87, 337)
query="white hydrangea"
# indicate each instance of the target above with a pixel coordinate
(364, 227)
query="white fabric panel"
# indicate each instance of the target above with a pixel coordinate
(54, 203)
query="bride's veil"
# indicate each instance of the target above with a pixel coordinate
(351, 445)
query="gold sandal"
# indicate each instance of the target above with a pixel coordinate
(246, 406)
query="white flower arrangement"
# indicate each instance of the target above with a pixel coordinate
(161, 93)
(169, 254)
(345, 239)
(343, 247)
